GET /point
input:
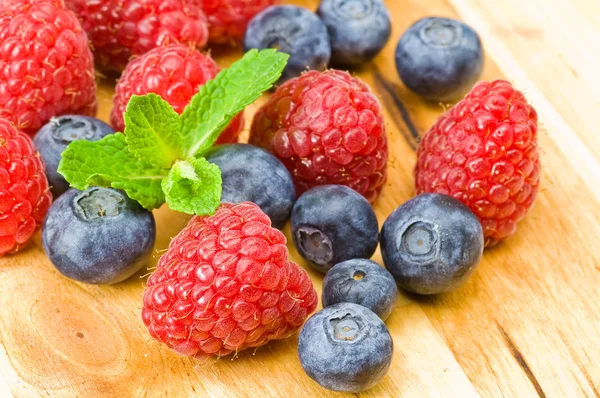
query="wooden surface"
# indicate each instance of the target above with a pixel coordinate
(526, 324)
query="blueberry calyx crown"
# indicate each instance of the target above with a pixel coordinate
(67, 130)
(99, 203)
(347, 328)
(358, 275)
(353, 9)
(440, 33)
(315, 244)
(420, 240)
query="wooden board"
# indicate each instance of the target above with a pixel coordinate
(526, 324)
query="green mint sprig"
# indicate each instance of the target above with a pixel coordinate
(159, 158)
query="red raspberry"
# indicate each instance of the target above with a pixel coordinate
(119, 29)
(174, 72)
(24, 193)
(46, 67)
(228, 19)
(225, 285)
(483, 152)
(327, 128)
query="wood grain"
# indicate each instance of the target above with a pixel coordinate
(526, 324)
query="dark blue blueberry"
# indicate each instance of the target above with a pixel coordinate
(431, 244)
(358, 29)
(98, 236)
(292, 30)
(52, 139)
(345, 347)
(363, 282)
(439, 58)
(251, 174)
(333, 223)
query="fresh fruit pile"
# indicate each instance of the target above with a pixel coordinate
(317, 155)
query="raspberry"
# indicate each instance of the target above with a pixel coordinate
(228, 19)
(174, 72)
(226, 284)
(46, 67)
(119, 29)
(327, 128)
(24, 193)
(483, 152)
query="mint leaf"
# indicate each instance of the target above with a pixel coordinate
(109, 163)
(193, 186)
(153, 130)
(148, 161)
(220, 99)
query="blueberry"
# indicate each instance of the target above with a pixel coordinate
(439, 58)
(333, 223)
(345, 347)
(358, 29)
(251, 174)
(52, 139)
(431, 244)
(98, 236)
(363, 282)
(292, 30)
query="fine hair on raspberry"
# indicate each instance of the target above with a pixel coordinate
(47, 68)
(483, 152)
(228, 19)
(24, 193)
(226, 284)
(120, 29)
(175, 72)
(326, 128)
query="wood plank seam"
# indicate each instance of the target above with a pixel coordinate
(448, 347)
(581, 368)
(413, 138)
(516, 353)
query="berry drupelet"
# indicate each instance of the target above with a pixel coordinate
(174, 72)
(119, 29)
(228, 19)
(483, 152)
(327, 128)
(46, 67)
(24, 193)
(225, 285)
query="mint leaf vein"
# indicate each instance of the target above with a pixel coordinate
(109, 163)
(153, 130)
(159, 157)
(222, 98)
